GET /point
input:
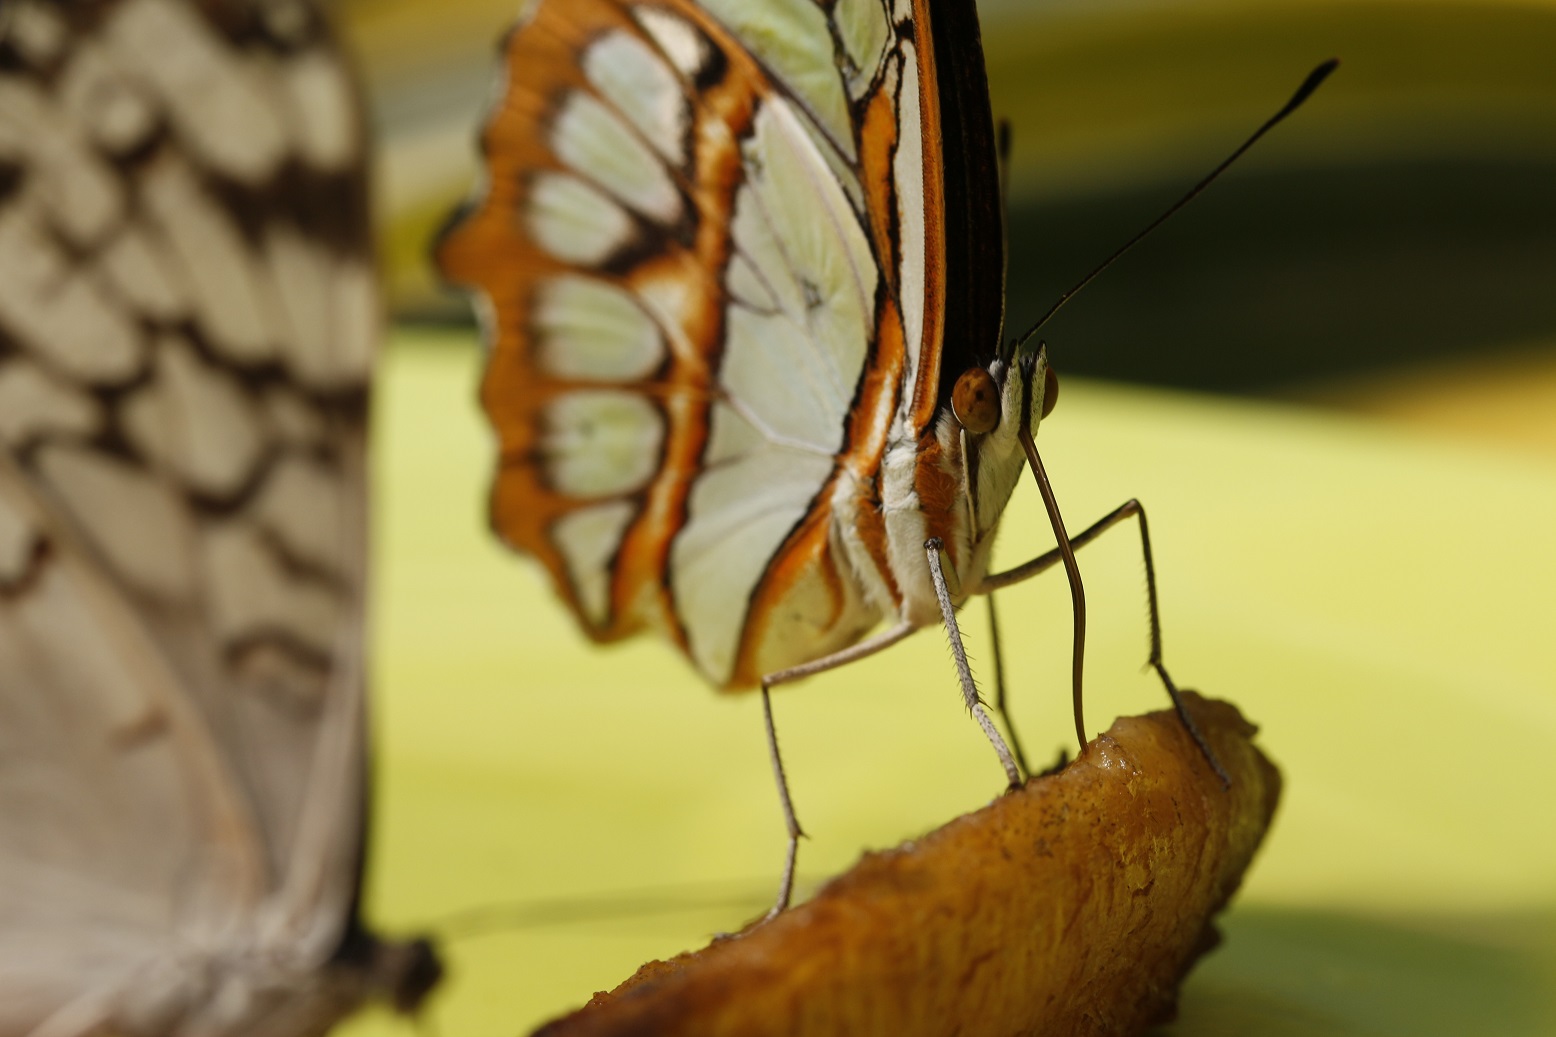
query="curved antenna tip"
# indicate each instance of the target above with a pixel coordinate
(1313, 81)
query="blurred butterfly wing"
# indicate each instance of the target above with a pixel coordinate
(709, 252)
(187, 318)
(118, 816)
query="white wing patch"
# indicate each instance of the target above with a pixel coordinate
(236, 305)
(301, 505)
(95, 94)
(575, 221)
(793, 38)
(195, 422)
(591, 138)
(250, 595)
(66, 319)
(908, 172)
(302, 272)
(782, 382)
(588, 538)
(345, 359)
(790, 375)
(32, 405)
(19, 539)
(741, 512)
(682, 42)
(587, 329)
(75, 188)
(800, 232)
(327, 128)
(601, 442)
(865, 30)
(138, 523)
(36, 30)
(629, 75)
(218, 104)
(328, 308)
(747, 287)
(143, 275)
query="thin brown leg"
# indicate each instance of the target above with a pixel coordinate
(970, 694)
(999, 688)
(1129, 509)
(791, 821)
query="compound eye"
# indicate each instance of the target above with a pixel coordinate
(975, 401)
(1050, 391)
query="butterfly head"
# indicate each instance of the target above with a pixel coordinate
(993, 407)
(1006, 397)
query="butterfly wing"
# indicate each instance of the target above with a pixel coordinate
(710, 254)
(115, 803)
(187, 319)
(973, 217)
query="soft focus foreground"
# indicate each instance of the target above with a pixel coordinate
(1381, 602)
(1071, 907)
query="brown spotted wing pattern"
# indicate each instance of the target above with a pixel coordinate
(709, 251)
(188, 315)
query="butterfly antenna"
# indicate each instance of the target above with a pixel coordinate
(1002, 146)
(1314, 79)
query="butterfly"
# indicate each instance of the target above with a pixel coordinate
(188, 317)
(741, 269)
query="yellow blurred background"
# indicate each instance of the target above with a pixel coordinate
(1343, 423)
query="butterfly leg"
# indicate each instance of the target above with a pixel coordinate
(977, 535)
(790, 819)
(999, 688)
(1129, 509)
(932, 549)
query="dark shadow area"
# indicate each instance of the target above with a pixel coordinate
(1282, 278)
(1296, 275)
(1297, 973)
(1404, 218)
